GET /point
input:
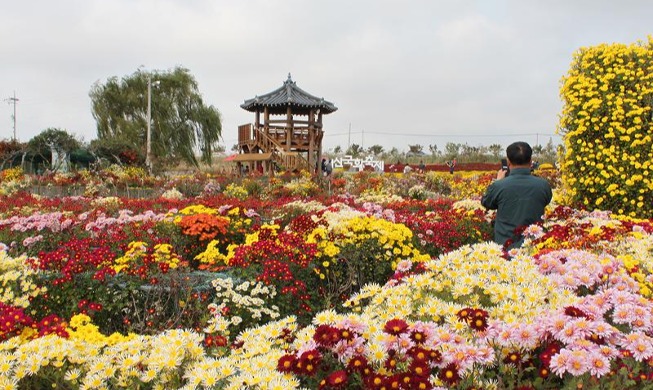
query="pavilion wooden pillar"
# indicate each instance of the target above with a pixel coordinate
(312, 159)
(289, 128)
(319, 122)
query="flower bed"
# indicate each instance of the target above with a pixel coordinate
(386, 282)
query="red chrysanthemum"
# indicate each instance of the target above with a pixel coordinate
(308, 362)
(575, 312)
(390, 363)
(420, 369)
(513, 358)
(449, 374)
(357, 363)
(419, 354)
(376, 381)
(464, 314)
(286, 363)
(435, 356)
(395, 326)
(337, 379)
(418, 337)
(326, 335)
(422, 384)
(478, 323)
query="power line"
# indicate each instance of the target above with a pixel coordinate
(446, 135)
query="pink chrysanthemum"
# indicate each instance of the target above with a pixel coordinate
(639, 345)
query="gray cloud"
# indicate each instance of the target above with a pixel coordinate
(401, 72)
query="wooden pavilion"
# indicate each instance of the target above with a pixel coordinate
(290, 133)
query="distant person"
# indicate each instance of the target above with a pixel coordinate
(452, 165)
(407, 169)
(323, 167)
(328, 168)
(534, 165)
(520, 199)
(422, 167)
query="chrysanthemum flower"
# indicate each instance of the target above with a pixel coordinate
(357, 364)
(420, 369)
(337, 378)
(326, 335)
(513, 357)
(395, 326)
(286, 363)
(449, 374)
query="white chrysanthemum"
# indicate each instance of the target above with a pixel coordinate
(73, 375)
(8, 383)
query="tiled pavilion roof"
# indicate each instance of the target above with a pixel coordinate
(289, 94)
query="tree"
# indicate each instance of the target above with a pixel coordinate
(415, 150)
(52, 145)
(337, 149)
(434, 150)
(375, 149)
(354, 150)
(549, 153)
(495, 150)
(117, 151)
(452, 149)
(181, 123)
(537, 150)
(10, 152)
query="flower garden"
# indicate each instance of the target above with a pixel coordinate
(376, 282)
(116, 279)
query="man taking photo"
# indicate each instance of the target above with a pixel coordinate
(519, 199)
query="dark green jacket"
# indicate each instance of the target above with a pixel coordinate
(520, 200)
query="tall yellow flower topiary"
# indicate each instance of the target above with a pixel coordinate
(607, 126)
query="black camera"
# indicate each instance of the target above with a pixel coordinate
(504, 166)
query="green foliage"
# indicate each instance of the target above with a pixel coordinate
(497, 150)
(354, 150)
(416, 149)
(117, 150)
(52, 140)
(375, 149)
(181, 122)
(10, 151)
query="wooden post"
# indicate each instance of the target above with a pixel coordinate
(311, 140)
(319, 147)
(289, 128)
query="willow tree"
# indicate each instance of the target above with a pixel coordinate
(181, 124)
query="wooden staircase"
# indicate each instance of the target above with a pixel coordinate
(259, 141)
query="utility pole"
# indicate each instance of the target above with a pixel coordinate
(148, 140)
(349, 139)
(148, 147)
(13, 100)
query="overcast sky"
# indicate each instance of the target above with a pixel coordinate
(400, 72)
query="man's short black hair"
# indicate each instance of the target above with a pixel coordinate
(519, 153)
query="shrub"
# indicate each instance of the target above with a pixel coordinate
(606, 122)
